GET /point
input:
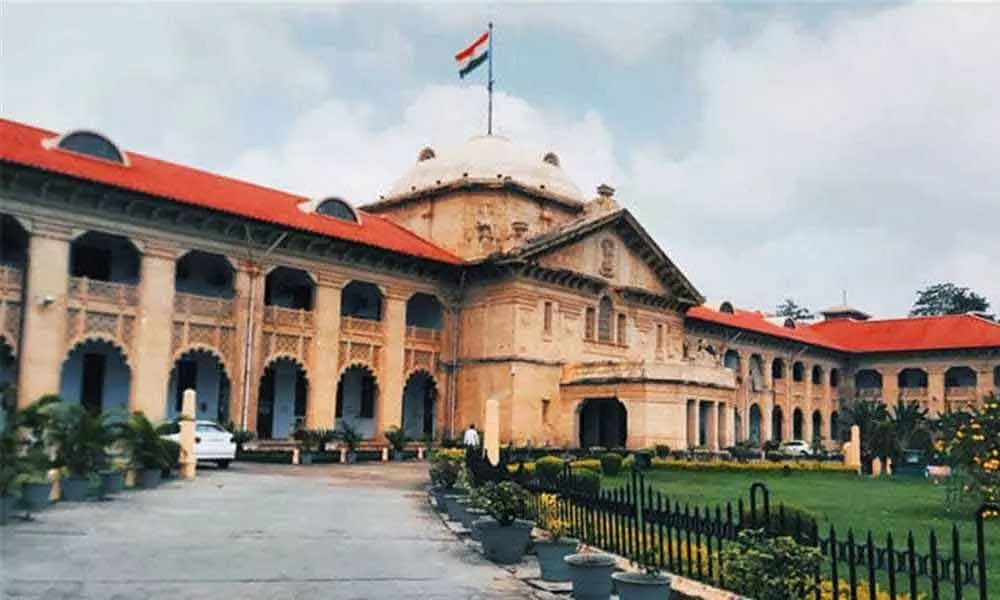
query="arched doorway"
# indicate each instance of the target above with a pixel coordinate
(798, 422)
(777, 423)
(755, 422)
(603, 422)
(96, 375)
(202, 371)
(835, 426)
(737, 426)
(8, 379)
(817, 425)
(419, 400)
(357, 397)
(282, 399)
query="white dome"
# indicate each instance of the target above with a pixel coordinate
(487, 159)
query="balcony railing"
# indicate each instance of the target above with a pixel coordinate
(423, 334)
(960, 392)
(89, 291)
(288, 317)
(10, 280)
(686, 372)
(362, 326)
(204, 306)
(869, 393)
(915, 394)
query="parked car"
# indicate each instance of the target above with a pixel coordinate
(795, 448)
(212, 443)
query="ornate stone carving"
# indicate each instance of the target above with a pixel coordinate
(609, 259)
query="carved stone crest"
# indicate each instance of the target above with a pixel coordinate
(608, 258)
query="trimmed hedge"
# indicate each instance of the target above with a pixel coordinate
(611, 464)
(586, 480)
(549, 468)
(721, 466)
(783, 520)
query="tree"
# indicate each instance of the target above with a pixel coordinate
(947, 299)
(909, 421)
(791, 310)
(869, 416)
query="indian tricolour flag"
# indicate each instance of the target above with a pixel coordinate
(473, 56)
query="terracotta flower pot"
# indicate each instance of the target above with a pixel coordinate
(591, 575)
(551, 555)
(503, 544)
(639, 586)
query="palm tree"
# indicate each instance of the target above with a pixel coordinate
(908, 418)
(867, 415)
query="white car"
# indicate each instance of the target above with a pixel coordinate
(212, 443)
(795, 448)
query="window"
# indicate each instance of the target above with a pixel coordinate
(338, 209)
(659, 337)
(621, 328)
(93, 145)
(547, 317)
(798, 372)
(604, 310)
(588, 324)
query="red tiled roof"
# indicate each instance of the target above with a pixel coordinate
(22, 144)
(914, 333)
(756, 322)
(889, 335)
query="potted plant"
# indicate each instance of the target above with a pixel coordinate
(554, 547)
(149, 454)
(397, 441)
(351, 438)
(241, 437)
(36, 489)
(80, 440)
(308, 442)
(646, 584)
(444, 475)
(590, 573)
(324, 437)
(503, 535)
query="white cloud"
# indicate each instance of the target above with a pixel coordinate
(866, 156)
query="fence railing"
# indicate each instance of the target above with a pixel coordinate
(637, 522)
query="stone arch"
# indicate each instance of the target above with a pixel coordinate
(867, 379)
(425, 311)
(99, 337)
(282, 397)
(419, 406)
(798, 424)
(358, 398)
(960, 376)
(755, 424)
(203, 369)
(362, 300)
(912, 378)
(295, 358)
(96, 374)
(197, 347)
(777, 423)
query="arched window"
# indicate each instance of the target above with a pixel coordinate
(834, 377)
(726, 307)
(778, 369)
(798, 371)
(621, 328)
(604, 316)
(338, 209)
(588, 323)
(817, 375)
(92, 144)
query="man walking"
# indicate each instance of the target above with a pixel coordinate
(471, 437)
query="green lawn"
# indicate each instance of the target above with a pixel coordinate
(845, 501)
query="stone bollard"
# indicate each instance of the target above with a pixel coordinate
(385, 455)
(420, 453)
(295, 456)
(189, 460)
(876, 467)
(343, 455)
(888, 466)
(54, 479)
(491, 430)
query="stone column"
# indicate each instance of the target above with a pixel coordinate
(389, 412)
(189, 462)
(935, 390)
(984, 383)
(249, 286)
(43, 345)
(890, 385)
(712, 425)
(692, 423)
(151, 355)
(324, 368)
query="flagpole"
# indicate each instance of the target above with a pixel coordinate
(489, 84)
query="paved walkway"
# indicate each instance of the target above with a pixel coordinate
(275, 532)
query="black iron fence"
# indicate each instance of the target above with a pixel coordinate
(640, 523)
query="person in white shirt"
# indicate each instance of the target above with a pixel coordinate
(471, 437)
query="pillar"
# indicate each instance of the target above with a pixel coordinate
(712, 426)
(935, 389)
(692, 423)
(249, 286)
(151, 355)
(389, 412)
(890, 385)
(491, 430)
(324, 375)
(43, 338)
(189, 462)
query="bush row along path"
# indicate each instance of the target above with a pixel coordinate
(256, 531)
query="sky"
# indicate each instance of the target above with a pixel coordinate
(774, 150)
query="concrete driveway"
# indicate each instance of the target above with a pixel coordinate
(275, 532)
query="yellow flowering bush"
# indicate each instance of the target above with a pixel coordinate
(548, 517)
(730, 466)
(863, 591)
(971, 441)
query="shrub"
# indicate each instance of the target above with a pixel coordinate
(586, 480)
(662, 450)
(504, 501)
(759, 566)
(446, 464)
(549, 468)
(396, 437)
(591, 464)
(787, 521)
(611, 464)
(548, 517)
(771, 445)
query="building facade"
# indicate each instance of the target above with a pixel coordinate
(483, 274)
